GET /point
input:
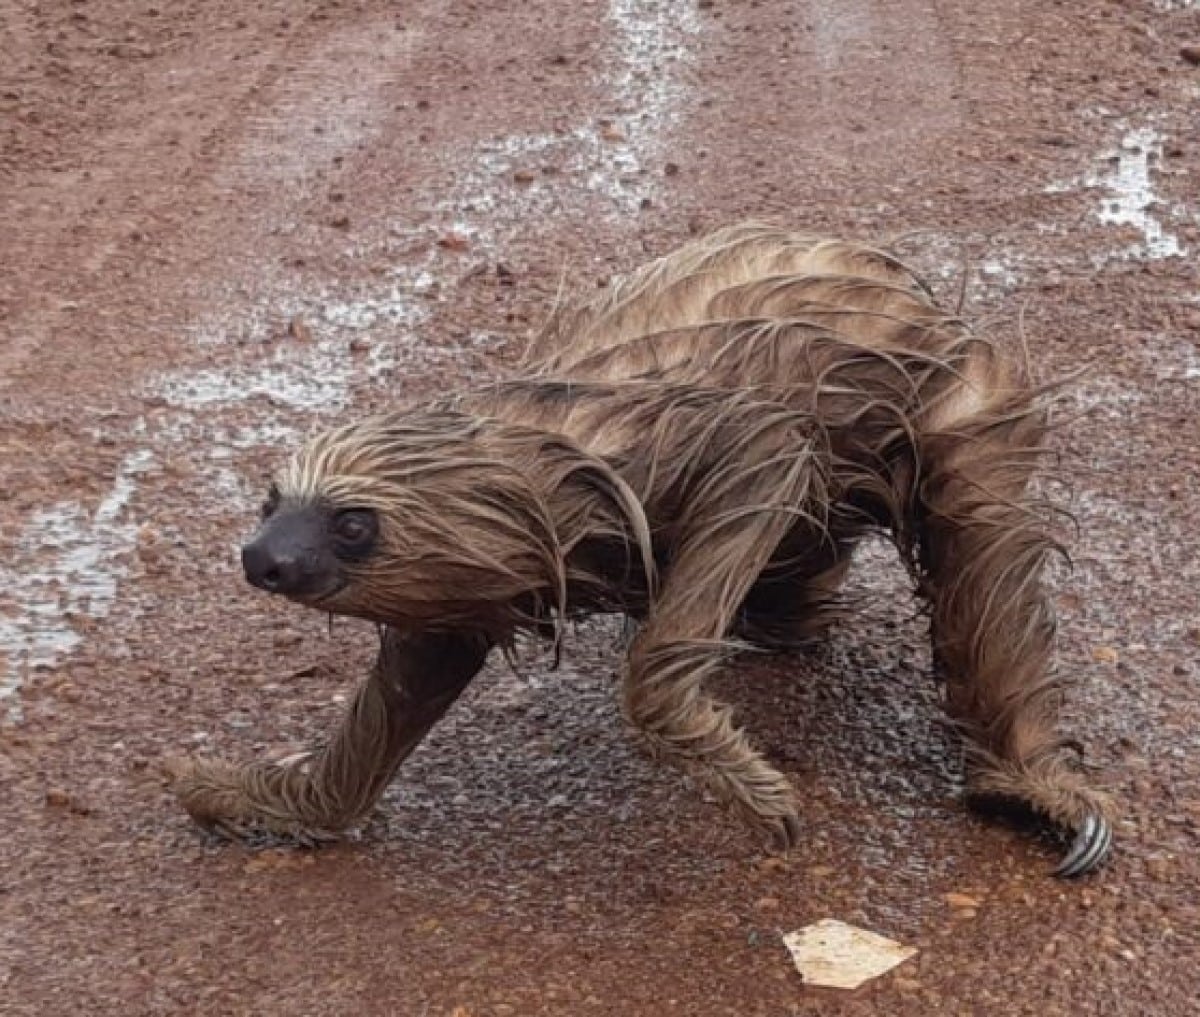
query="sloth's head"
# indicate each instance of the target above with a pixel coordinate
(431, 518)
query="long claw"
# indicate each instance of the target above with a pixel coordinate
(783, 833)
(1089, 848)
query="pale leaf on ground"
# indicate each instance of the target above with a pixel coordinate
(833, 954)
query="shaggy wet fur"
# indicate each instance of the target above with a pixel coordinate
(700, 448)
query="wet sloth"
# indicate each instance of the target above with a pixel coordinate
(699, 449)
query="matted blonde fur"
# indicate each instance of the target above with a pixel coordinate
(701, 447)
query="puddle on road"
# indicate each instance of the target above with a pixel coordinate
(1130, 198)
(645, 85)
(1126, 176)
(305, 375)
(653, 48)
(66, 563)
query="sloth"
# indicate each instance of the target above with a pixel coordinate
(700, 449)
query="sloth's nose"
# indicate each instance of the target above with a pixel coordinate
(273, 569)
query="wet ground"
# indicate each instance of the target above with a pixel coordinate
(222, 224)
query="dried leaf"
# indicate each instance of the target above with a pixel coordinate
(840, 956)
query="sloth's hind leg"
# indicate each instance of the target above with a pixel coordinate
(984, 545)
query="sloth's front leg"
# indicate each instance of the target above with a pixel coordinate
(679, 723)
(727, 537)
(314, 797)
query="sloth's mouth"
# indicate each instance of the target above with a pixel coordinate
(320, 598)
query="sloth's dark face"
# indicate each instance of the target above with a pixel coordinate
(410, 520)
(308, 551)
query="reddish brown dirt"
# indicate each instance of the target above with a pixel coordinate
(180, 181)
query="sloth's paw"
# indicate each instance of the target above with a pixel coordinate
(1057, 797)
(779, 833)
(767, 807)
(236, 803)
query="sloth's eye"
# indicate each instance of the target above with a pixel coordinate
(354, 531)
(271, 503)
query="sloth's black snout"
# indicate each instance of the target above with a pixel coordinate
(273, 571)
(286, 557)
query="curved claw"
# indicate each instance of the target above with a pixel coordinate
(1090, 847)
(782, 833)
